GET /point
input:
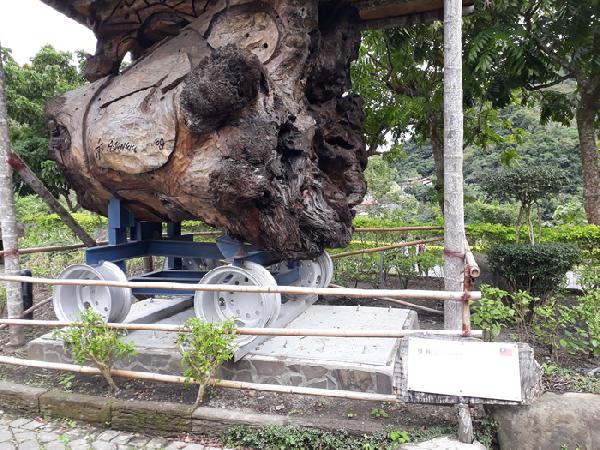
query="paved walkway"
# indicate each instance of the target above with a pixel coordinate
(21, 433)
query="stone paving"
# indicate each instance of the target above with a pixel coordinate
(23, 433)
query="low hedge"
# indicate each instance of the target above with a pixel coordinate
(539, 269)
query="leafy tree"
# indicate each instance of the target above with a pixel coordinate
(91, 340)
(535, 45)
(399, 74)
(527, 185)
(204, 347)
(29, 87)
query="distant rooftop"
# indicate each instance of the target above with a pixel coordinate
(374, 13)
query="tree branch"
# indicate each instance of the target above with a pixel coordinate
(539, 87)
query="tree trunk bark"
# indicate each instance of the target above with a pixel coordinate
(454, 226)
(587, 110)
(437, 149)
(38, 187)
(241, 120)
(10, 236)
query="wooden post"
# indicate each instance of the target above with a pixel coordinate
(465, 424)
(36, 184)
(8, 222)
(454, 226)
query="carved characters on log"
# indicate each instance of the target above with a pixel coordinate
(241, 119)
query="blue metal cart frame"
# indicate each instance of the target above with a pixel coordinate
(146, 239)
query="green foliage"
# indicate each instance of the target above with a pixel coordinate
(204, 347)
(289, 437)
(28, 88)
(379, 413)
(485, 212)
(572, 328)
(91, 341)
(539, 269)
(571, 213)
(485, 431)
(590, 275)
(490, 314)
(525, 184)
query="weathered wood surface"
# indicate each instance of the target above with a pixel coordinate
(241, 120)
(531, 378)
(136, 25)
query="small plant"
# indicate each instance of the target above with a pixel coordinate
(64, 439)
(91, 340)
(490, 313)
(399, 437)
(379, 413)
(204, 347)
(67, 380)
(350, 415)
(485, 431)
(574, 328)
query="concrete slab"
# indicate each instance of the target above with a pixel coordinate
(371, 351)
(363, 364)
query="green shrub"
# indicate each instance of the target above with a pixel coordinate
(91, 340)
(572, 328)
(539, 269)
(590, 276)
(204, 347)
(484, 212)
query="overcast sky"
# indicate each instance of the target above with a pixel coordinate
(28, 25)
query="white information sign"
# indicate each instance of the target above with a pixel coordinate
(463, 368)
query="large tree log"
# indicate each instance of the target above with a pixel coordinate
(242, 120)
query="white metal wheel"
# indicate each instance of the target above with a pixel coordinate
(326, 265)
(121, 298)
(110, 303)
(248, 309)
(274, 300)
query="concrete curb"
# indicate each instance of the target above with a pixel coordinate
(164, 418)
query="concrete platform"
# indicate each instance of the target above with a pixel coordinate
(362, 364)
(359, 364)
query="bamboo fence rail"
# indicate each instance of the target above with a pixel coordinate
(183, 380)
(294, 290)
(385, 248)
(249, 331)
(399, 302)
(27, 311)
